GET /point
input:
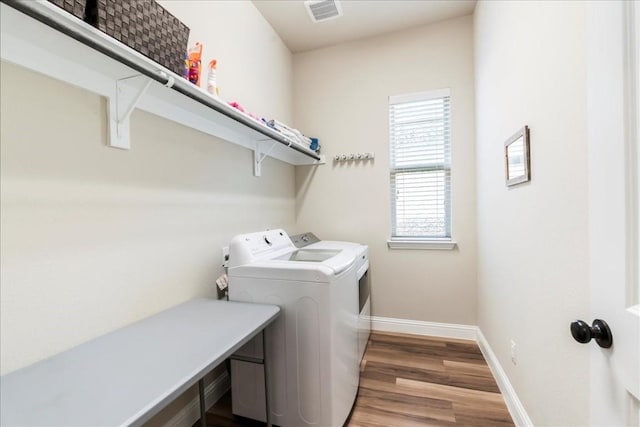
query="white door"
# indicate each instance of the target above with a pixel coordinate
(613, 118)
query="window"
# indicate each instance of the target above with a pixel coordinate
(420, 141)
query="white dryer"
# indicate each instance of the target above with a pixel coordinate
(312, 348)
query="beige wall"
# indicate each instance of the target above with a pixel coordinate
(254, 65)
(94, 238)
(341, 96)
(532, 239)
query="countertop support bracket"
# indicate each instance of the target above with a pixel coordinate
(127, 93)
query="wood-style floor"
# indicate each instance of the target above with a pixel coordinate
(410, 380)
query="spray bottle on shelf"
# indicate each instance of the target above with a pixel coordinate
(212, 86)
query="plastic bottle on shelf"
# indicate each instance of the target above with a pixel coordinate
(185, 66)
(212, 86)
(195, 55)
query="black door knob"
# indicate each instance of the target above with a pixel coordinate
(583, 333)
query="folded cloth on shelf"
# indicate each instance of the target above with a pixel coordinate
(290, 132)
(242, 110)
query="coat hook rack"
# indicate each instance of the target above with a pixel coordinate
(353, 157)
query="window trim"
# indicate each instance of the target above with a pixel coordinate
(419, 96)
(430, 243)
(427, 244)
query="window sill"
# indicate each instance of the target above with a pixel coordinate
(422, 244)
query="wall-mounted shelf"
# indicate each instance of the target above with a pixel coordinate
(42, 37)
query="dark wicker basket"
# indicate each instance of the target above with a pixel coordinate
(145, 26)
(74, 7)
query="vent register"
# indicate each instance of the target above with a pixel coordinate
(323, 10)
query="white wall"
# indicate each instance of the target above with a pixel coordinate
(94, 238)
(532, 239)
(341, 96)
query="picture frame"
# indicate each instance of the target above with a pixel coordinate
(517, 158)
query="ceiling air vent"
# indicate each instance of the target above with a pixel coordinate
(323, 10)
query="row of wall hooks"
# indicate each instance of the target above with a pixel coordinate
(353, 157)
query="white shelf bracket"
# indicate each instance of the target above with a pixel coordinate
(127, 93)
(259, 155)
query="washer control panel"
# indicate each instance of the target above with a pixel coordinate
(250, 247)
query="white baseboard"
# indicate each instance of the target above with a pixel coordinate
(212, 393)
(433, 329)
(517, 411)
(467, 332)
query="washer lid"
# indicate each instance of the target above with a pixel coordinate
(311, 255)
(303, 264)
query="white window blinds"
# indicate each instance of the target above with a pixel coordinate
(420, 141)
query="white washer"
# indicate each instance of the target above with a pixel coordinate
(309, 240)
(312, 348)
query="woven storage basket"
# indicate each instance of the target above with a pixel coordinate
(147, 27)
(75, 7)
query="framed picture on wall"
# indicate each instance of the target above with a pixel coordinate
(516, 157)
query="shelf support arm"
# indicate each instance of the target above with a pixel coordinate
(259, 155)
(121, 105)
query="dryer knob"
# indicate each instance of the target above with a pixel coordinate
(267, 241)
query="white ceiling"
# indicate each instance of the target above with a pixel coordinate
(361, 18)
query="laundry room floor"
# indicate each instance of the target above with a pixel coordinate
(411, 380)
